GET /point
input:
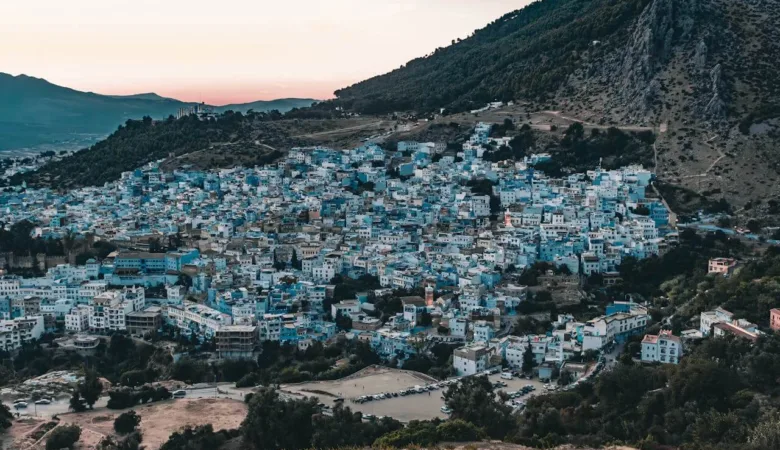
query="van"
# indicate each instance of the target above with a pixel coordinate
(506, 375)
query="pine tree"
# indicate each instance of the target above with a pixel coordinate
(528, 358)
(77, 403)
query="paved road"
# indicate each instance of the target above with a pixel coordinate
(728, 231)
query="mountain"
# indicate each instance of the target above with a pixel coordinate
(626, 51)
(281, 105)
(35, 112)
(700, 72)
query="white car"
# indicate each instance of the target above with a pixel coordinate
(180, 393)
(446, 410)
(43, 401)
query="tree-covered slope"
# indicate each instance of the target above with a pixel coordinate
(526, 53)
(139, 142)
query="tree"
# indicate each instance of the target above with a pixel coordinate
(155, 246)
(528, 358)
(343, 321)
(345, 428)
(64, 436)
(295, 262)
(473, 400)
(544, 296)
(457, 430)
(198, 438)
(190, 371)
(131, 441)
(77, 404)
(754, 225)
(418, 432)
(6, 417)
(127, 422)
(184, 280)
(91, 388)
(275, 424)
(565, 378)
(425, 319)
(133, 378)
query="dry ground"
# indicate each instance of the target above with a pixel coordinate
(160, 420)
(20, 435)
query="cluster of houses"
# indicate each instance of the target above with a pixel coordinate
(566, 339)
(245, 255)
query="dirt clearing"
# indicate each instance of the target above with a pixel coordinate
(160, 420)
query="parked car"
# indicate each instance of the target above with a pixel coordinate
(43, 401)
(20, 405)
(179, 394)
(506, 375)
(446, 410)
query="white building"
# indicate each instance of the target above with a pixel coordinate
(77, 320)
(345, 307)
(483, 332)
(91, 289)
(107, 312)
(16, 332)
(470, 360)
(709, 318)
(664, 348)
(458, 327)
(194, 318)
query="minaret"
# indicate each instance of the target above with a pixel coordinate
(429, 295)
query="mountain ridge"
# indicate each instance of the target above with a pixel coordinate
(36, 112)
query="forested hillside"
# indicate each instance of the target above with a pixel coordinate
(138, 142)
(524, 54)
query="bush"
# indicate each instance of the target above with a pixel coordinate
(121, 399)
(247, 380)
(458, 430)
(198, 438)
(63, 437)
(126, 422)
(125, 398)
(133, 378)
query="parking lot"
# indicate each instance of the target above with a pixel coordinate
(373, 381)
(376, 380)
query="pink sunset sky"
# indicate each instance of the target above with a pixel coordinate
(228, 51)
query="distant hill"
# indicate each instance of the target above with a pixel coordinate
(35, 112)
(281, 105)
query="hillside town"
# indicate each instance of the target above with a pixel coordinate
(243, 256)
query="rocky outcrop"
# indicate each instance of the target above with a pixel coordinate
(715, 108)
(700, 56)
(662, 26)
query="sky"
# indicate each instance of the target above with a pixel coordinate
(228, 51)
